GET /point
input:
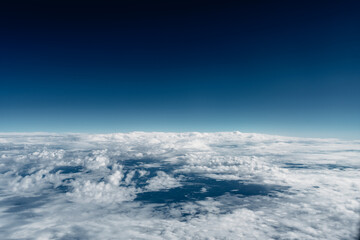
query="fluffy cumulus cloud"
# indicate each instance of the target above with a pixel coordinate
(162, 181)
(140, 185)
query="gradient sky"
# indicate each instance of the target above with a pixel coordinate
(278, 67)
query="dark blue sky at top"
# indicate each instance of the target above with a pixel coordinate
(283, 67)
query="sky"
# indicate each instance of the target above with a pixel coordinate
(277, 67)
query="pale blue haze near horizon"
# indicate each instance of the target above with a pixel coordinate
(283, 68)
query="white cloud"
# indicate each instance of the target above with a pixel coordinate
(81, 186)
(162, 181)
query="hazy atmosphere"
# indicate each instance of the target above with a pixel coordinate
(282, 67)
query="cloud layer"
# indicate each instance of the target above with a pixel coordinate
(140, 185)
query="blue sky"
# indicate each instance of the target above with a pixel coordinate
(290, 68)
